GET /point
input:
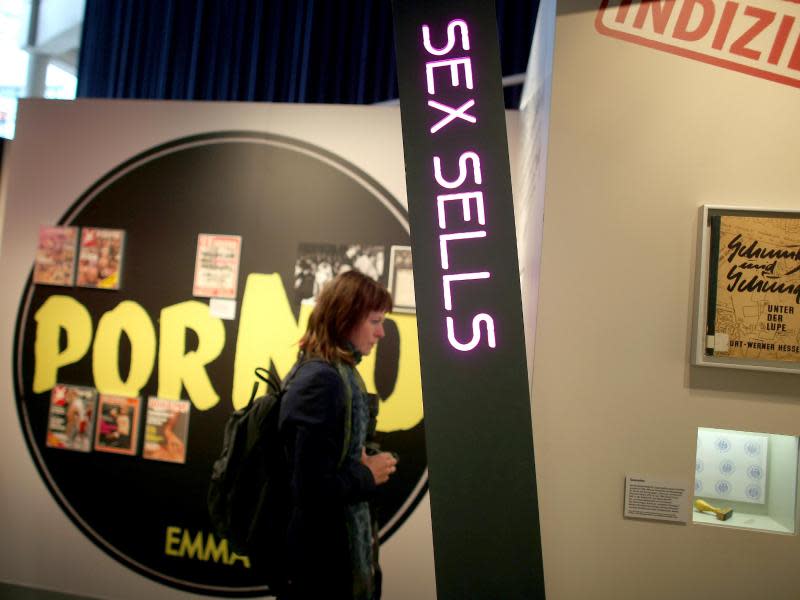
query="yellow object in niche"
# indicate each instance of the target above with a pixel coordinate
(723, 514)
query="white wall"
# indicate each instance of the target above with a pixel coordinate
(532, 167)
(639, 139)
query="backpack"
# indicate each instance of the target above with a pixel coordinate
(248, 495)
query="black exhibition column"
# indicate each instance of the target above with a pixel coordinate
(472, 348)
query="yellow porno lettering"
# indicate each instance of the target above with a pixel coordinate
(268, 334)
(132, 320)
(57, 313)
(176, 367)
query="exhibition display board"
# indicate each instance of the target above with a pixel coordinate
(170, 249)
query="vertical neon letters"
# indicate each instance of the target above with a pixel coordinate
(462, 185)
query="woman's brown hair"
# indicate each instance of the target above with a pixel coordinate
(343, 304)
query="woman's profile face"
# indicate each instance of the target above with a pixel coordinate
(367, 333)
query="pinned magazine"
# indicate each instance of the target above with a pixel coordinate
(71, 418)
(118, 424)
(166, 430)
(100, 259)
(55, 256)
(216, 268)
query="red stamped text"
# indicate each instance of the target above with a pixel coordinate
(757, 37)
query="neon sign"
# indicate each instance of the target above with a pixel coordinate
(435, 75)
(467, 291)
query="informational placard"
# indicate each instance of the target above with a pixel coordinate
(467, 296)
(222, 308)
(731, 466)
(646, 498)
(216, 270)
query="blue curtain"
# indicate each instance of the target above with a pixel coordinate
(323, 51)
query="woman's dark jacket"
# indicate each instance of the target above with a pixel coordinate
(312, 425)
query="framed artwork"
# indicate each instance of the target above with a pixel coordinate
(748, 289)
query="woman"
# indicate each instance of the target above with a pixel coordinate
(329, 542)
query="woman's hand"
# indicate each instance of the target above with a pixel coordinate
(382, 465)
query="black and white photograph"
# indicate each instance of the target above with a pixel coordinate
(401, 279)
(318, 263)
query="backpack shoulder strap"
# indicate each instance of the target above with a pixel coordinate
(274, 383)
(348, 410)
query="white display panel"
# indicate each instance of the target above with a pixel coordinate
(731, 466)
(742, 460)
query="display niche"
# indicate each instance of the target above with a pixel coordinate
(746, 480)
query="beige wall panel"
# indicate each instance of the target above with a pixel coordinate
(639, 139)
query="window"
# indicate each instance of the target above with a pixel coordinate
(54, 49)
(14, 64)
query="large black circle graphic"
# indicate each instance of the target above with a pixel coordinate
(276, 193)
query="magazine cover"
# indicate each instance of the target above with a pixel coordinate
(216, 268)
(319, 263)
(71, 419)
(166, 430)
(117, 424)
(100, 258)
(55, 256)
(754, 288)
(401, 279)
